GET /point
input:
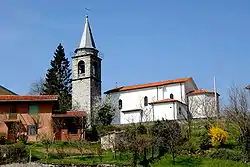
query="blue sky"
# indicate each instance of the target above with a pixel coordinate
(142, 41)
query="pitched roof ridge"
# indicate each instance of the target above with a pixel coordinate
(151, 84)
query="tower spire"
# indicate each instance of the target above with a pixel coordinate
(87, 40)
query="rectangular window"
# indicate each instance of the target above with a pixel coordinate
(32, 131)
(33, 109)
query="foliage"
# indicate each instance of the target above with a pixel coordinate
(58, 79)
(60, 149)
(46, 140)
(191, 161)
(23, 138)
(191, 146)
(13, 153)
(237, 113)
(223, 153)
(104, 112)
(218, 136)
(92, 134)
(168, 137)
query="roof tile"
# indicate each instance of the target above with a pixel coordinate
(153, 84)
(28, 98)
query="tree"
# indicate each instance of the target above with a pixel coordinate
(237, 113)
(168, 137)
(37, 87)
(58, 79)
(202, 107)
(104, 111)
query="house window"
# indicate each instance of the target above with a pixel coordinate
(33, 109)
(120, 104)
(81, 67)
(32, 130)
(171, 96)
(145, 101)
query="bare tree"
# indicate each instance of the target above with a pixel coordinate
(237, 112)
(46, 140)
(202, 106)
(37, 87)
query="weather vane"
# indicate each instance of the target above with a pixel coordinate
(87, 10)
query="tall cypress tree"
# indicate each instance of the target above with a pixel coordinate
(58, 79)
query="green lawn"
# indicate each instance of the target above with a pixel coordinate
(191, 161)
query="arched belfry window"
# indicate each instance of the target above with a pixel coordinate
(81, 67)
(171, 96)
(120, 104)
(145, 101)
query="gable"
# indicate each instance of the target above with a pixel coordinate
(5, 91)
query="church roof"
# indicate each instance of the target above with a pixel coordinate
(8, 98)
(87, 40)
(201, 91)
(153, 84)
(166, 101)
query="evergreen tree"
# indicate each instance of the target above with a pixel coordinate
(58, 79)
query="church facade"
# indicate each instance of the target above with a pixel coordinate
(170, 99)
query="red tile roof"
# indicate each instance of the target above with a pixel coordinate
(4, 98)
(74, 113)
(166, 101)
(153, 84)
(195, 92)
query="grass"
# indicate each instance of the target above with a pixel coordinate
(192, 161)
(73, 156)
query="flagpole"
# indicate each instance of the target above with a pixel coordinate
(215, 98)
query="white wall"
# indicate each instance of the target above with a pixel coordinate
(134, 99)
(164, 111)
(203, 105)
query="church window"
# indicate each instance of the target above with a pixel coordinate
(180, 110)
(120, 104)
(145, 101)
(171, 96)
(81, 67)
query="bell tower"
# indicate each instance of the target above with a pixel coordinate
(86, 70)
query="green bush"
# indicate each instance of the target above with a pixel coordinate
(226, 154)
(190, 147)
(23, 138)
(15, 153)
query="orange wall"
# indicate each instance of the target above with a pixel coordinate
(45, 112)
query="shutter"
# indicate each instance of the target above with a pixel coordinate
(33, 109)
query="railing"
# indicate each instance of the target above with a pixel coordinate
(8, 116)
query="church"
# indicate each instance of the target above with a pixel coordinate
(169, 99)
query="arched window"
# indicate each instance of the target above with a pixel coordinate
(180, 110)
(145, 101)
(81, 67)
(120, 104)
(171, 96)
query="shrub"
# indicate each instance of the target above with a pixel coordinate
(218, 136)
(23, 138)
(15, 153)
(190, 147)
(92, 134)
(2, 140)
(205, 141)
(226, 154)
